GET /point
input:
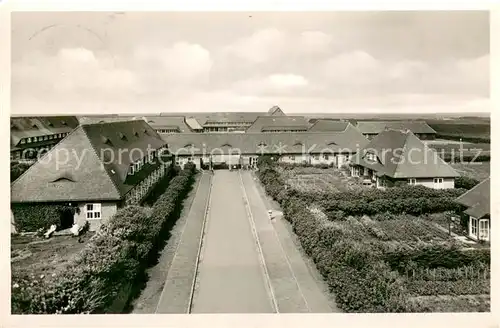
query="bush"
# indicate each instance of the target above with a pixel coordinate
(33, 217)
(16, 169)
(114, 259)
(465, 182)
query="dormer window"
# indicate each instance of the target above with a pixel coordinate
(371, 157)
(64, 123)
(122, 136)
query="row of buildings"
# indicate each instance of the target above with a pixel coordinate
(102, 163)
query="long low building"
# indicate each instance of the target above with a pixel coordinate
(420, 129)
(334, 148)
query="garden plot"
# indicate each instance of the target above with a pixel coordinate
(310, 179)
(453, 288)
(476, 170)
(36, 256)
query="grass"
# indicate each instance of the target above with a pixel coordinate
(38, 256)
(478, 170)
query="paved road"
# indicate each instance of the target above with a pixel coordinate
(231, 278)
(313, 289)
(176, 293)
(287, 291)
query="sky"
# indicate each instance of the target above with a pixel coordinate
(330, 62)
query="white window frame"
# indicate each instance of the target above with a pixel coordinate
(483, 229)
(412, 181)
(438, 183)
(474, 226)
(93, 211)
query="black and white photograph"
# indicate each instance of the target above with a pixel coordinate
(250, 162)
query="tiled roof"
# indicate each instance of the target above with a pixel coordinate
(159, 122)
(403, 155)
(278, 121)
(328, 125)
(375, 127)
(203, 118)
(193, 123)
(477, 200)
(275, 110)
(349, 140)
(97, 156)
(284, 128)
(23, 127)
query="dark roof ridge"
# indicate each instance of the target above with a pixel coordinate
(110, 122)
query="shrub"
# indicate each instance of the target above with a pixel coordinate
(16, 169)
(465, 182)
(33, 217)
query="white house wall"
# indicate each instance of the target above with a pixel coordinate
(108, 209)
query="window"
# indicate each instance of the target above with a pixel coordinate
(44, 138)
(131, 171)
(93, 211)
(326, 156)
(316, 157)
(291, 157)
(438, 183)
(23, 141)
(412, 181)
(371, 157)
(473, 227)
(484, 230)
(28, 140)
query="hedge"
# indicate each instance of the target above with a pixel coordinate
(16, 169)
(115, 258)
(413, 206)
(436, 256)
(33, 217)
(466, 182)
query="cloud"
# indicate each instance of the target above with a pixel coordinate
(274, 84)
(261, 46)
(70, 70)
(147, 70)
(183, 64)
(359, 72)
(315, 41)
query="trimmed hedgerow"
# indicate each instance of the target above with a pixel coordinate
(113, 260)
(465, 182)
(33, 217)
